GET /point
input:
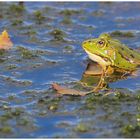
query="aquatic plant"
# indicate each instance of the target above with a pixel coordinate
(58, 34)
(39, 18)
(122, 34)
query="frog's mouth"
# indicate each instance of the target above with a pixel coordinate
(98, 58)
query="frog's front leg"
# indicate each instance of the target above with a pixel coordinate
(109, 70)
(106, 70)
(101, 82)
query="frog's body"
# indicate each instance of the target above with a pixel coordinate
(111, 52)
(111, 55)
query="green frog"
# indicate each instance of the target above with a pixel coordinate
(111, 55)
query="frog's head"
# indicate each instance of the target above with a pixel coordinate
(100, 49)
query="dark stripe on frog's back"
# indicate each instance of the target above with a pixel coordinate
(124, 56)
(129, 54)
(123, 59)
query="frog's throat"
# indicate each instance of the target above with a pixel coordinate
(99, 59)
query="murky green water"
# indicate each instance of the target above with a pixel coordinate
(47, 39)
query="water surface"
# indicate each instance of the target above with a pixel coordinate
(47, 39)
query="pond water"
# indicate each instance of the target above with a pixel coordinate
(47, 39)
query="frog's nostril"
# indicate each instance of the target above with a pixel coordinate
(87, 42)
(84, 43)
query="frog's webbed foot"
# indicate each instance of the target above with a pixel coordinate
(125, 75)
(85, 85)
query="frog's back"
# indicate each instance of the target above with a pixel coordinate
(130, 54)
(131, 58)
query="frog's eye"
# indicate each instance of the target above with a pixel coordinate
(100, 42)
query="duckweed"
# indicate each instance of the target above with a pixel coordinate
(17, 22)
(41, 101)
(39, 17)
(68, 49)
(131, 131)
(6, 116)
(98, 13)
(53, 107)
(70, 12)
(26, 53)
(43, 113)
(11, 97)
(138, 118)
(17, 112)
(17, 8)
(58, 34)
(6, 129)
(23, 122)
(81, 128)
(11, 67)
(30, 32)
(5, 107)
(17, 82)
(66, 20)
(122, 34)
(2, 52)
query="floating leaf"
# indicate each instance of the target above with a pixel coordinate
(5, 42)
(67, 91)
